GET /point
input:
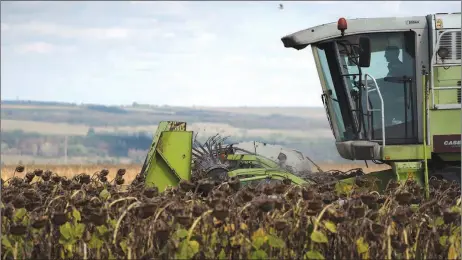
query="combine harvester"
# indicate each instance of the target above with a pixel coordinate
(392, 94)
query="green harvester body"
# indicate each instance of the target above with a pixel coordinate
(392, 91)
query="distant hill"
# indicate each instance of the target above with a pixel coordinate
(38, 129)
(15, 113)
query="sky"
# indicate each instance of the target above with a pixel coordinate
(172, 53)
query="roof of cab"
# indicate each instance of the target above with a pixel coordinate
(303, 38)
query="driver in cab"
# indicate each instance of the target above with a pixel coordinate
(395, 66)
(396, 70)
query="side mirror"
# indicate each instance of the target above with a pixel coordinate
(364, 52)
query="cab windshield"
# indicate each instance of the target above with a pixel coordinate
(355, 106)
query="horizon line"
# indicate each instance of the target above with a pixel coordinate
(157, 105)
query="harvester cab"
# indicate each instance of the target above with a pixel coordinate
(392, 91)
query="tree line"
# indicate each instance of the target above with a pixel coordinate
(134, 145)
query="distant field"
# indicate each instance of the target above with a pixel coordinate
(233, 121)
(305, 112)
(63, 128)
(202, 128)
(263, 111)
(133, 169)
(24, 106)
(13, 159)
(43, 127)
(147, 109)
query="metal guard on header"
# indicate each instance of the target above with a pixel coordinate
(169, 159)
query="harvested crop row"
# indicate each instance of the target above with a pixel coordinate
(47, 216)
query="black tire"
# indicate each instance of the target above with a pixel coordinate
(218, 174)
(452, 173)
(318, 177)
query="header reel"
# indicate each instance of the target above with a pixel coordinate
(215, 159)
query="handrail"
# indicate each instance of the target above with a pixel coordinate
(425, 129)
(447, 88)
(382, 107)
(446, 65)
(433, 61)
(447, 106)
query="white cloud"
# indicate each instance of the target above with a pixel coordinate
(111, 33)
(163, 7)
(4, 27)
(37, 47)
(42, 48)
(142, 32)
(54, 29)
(169, 35)
(138, 65)
(141, 21)
(204, 38)
(236, 59)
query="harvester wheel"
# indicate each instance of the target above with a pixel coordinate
(218, 174)
(318, 177)
(451, 173)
